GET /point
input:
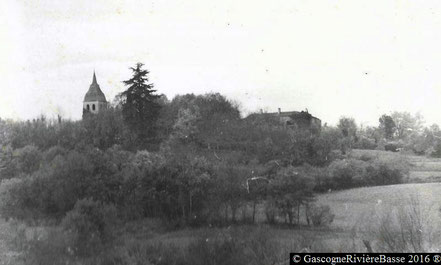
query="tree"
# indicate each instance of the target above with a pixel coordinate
(292, 189)
(140, 106)
(347, 126)
(105, 128)
(387, 125)
(348, 129)
(407, 124)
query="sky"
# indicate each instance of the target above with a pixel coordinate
(335, 58)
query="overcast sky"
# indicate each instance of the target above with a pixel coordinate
(352, 58)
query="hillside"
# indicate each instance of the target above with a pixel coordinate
(354, 208)
(422, 169)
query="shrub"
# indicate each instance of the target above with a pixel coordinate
(90, 226)
(320, 215)
(52, 152)
(347, 173)
(382, 174)
(365, 143)
(29, 159)
(14, 197)
(366, 157)
(391, 147)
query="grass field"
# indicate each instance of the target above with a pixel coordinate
(355, 207)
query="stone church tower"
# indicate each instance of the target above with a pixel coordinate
(94, 100)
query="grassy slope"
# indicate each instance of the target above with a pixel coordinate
(356, 207)
(423, 169)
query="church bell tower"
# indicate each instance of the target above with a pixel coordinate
(94, 100)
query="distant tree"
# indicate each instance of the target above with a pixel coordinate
(185, 128)
(388, 126)
(407, 124)
(140, 106)
(29, 159)
(348, 128)
(368, 137)
(5, 132)
(105, 128)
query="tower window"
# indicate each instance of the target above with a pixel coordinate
(93, 106)
(88, 108)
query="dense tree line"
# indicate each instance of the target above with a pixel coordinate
(203, 171)
(191, 160)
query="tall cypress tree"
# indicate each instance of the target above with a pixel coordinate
(140, 107)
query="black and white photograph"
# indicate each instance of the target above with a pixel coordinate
(229, 132)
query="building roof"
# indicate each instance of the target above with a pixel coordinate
(285, 114)
(94, 93)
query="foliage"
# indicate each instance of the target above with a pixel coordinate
(406, 124)
(348, 173)
(28, 159)
(348, 129)
(140, 108)
(387, 126)
(89, 226)
(320, 215)
(291, 190)
(105, 129)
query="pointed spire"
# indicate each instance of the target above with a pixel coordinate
(94, 77)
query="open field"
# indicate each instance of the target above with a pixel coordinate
(422, 169)
(355, 207)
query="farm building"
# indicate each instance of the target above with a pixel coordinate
(296, 119)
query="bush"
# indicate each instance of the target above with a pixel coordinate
(14, 197)
(391, 147)
(29, 159)
(321, 215)
(365, 143)
(52, 152)
(90, 226)
(347, 173)
(365, 171)
(382, 174)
